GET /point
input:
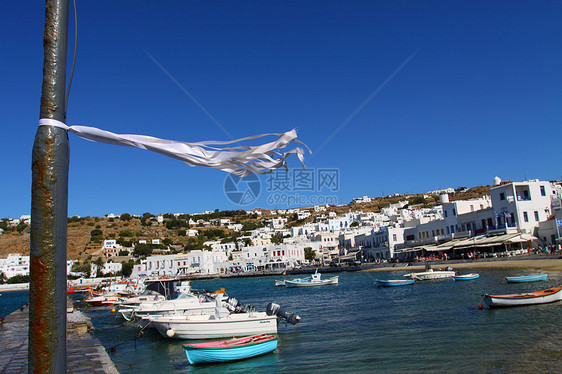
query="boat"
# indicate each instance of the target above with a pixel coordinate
(280, 283)
(464, 277)
(431, 274)
(102, 298)
(184, 302)
(394, 282)
(539, 297)
(230, 349)
(222, 323)
(527, 278)
(314, 280)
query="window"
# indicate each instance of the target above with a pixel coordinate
(454, 212)
(502, 196)
(445, 214)
(543, 192)
(394, 237)
(525, 217)
(536, 216)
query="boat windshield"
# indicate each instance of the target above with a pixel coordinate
(184, 296)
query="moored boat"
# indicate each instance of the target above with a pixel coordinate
(527, 278)
(431, 274)
(539, 297)
(230, 349)
(463, 277)
(394, 282)
(314, 280)
(209, 326)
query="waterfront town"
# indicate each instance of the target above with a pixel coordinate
(515, 218)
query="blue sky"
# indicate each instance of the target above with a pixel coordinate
(398, 97)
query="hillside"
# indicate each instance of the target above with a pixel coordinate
(86, 235)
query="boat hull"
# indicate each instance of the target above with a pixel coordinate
(206, 353)
(527, 278)
(394, 282)
(305, 283)
(209, 327)
(429, 275)
(465, 277)
(540, 297)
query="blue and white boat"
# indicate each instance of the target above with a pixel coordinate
(394, 282)
(230, 349)
(527, 278)
(314, 280)
(464, 277)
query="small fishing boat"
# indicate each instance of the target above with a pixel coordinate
(314, 280)
(394, 282)
(280, 283)
(527, 278)
(539, 297)
(464, 277)
(431, 274)
(230, 349)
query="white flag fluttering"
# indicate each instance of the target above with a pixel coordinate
(238, 160)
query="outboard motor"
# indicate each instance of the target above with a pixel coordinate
(273, 309)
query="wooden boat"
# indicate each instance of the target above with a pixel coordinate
(540, 297)
(394, 282)
(314, 280)
(231, 349)
(527, 278)
(464, 277)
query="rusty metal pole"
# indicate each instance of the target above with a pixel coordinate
(49, 206)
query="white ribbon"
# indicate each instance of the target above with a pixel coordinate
(240, 160)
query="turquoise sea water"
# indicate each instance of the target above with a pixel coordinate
(12, 300)
(356, 327)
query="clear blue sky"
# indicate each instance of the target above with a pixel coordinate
(398, 96)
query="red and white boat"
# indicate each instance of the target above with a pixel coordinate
(539, 297)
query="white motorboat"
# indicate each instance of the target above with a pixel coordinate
(314, 280)
(184, 304)
(147, 296)
(431, 274)
(280, 283)
(221, 324)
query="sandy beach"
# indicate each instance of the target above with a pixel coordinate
(547, 264)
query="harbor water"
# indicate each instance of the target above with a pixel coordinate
(357, 327)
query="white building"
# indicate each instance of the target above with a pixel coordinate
(14, 264)
(192, 232)
(278, 223)
(108, 268)
(364, 199)
(111, 248)
(208, 262)
(523, 204)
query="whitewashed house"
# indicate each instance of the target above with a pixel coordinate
(522, 205)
